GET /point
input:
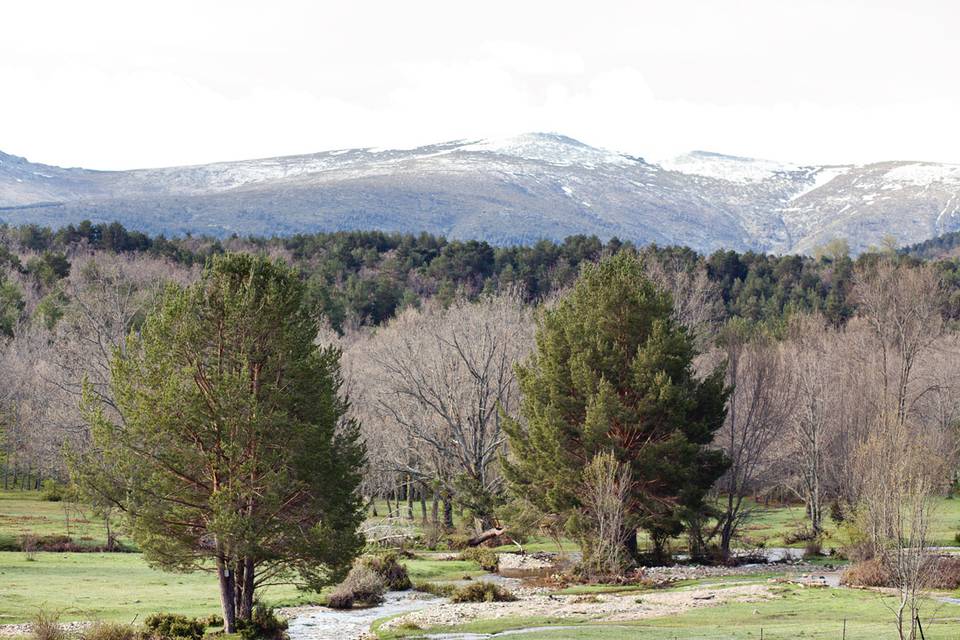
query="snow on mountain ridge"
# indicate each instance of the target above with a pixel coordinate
(724, 167)
(552, 148)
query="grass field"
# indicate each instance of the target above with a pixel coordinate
(120, 586)
(796, 613)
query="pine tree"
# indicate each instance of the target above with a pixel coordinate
(229, 448)
(613, 372)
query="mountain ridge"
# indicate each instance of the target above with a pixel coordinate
(507, 191)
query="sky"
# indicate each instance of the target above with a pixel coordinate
(117, 85)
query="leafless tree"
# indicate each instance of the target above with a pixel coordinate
(443, 377)
(762, 400)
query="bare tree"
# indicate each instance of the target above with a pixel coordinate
(762, 400)
(444, 377)
(605, 515)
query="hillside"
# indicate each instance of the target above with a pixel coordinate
(509, 191)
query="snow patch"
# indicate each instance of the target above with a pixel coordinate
(924, 174)
(551, 148)
(729, 168)
(821, 176)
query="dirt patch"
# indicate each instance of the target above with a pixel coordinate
(602, 607)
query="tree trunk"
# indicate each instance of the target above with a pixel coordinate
(409, 492)
(435, 510)
(423, 505)
(244, 588)
(447, 513)
(630, 542)
(227, 595)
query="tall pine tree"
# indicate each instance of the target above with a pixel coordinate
(229, 450)
(613, 372)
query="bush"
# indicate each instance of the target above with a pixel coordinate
(836, 512)
(263, 625)
(944, 573)
(440, 589)
(813, 548)
(340, 599)
(172, 626)
(213, 620)
(51, 491)
(800, 535)
(46, 626)
(487, 558)
(362, 585)
(110, 631)
(482, 592)
(388, 567)
(866, 573)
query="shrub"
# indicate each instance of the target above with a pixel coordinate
(866, 573)
(813, 548)
(800, 535)
(836, 512)
(944, 573)
(388, 567)
(172, 626)
(46, 626)
(263, 625)
(340, 599)
(482, 592)
(110, 631)
(51, 491)
(213, 620)
(484, 556)
(440, 589)
(362, 584)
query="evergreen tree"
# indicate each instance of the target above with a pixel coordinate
(613, 372)
(229, 448)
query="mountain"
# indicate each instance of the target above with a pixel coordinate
(513, 190)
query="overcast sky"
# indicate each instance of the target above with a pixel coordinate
(137, 84)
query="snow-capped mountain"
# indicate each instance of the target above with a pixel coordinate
(512, 190)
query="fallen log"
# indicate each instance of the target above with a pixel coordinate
(489, 534)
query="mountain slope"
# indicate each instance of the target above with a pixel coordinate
(514, 190)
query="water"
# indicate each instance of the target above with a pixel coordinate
(321, 623)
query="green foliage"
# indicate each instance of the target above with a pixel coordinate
(389, 568)
(486, 557)
(439, 589)
(263, 625)
(172, 626)
(110, 631)
(482, 592)
(233, 431)
(613, 372)
(52, 492)
(11, 305)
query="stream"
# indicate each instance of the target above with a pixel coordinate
(322, 623)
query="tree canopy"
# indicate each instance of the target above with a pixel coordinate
(229, 448)
(613, 372)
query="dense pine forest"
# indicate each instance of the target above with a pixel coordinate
(363, 278)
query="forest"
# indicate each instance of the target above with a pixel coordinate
(633, 400)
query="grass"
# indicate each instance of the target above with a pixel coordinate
(23, 512)
(120, 586)
(797, 613)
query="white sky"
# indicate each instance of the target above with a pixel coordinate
(134, 84)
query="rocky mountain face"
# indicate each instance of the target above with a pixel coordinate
(515, 190)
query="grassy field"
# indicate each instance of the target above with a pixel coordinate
(120, 586)
(22, 513)
(795, 613)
